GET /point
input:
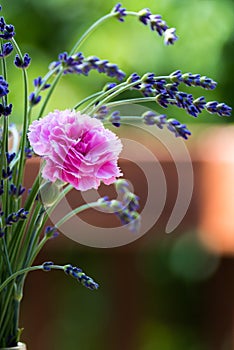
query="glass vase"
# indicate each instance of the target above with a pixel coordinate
(20, 346)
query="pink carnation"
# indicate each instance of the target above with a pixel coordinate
(77, 149)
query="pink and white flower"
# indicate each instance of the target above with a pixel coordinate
(77, 149)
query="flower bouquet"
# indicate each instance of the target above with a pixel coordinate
(77, 151)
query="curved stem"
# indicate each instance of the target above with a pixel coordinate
(89, 31)
(121, 88)
(76, 211)
(87, 99)
(25, 271)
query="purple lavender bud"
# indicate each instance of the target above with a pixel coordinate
(112, 70)
(151, 118)
(10, 157)
(120, 12)
(1, 187)
(28, 152)
(7, 48)
(170, 36)
(115, 119)
(180, 130)
(51, 232)
(192, 110)
(109, 86)
(16, 192)
(5, 110)
(2, 233)
(148, 78)
(3, 87)
(2, 24)
(6, 173)
(22, 214)
(39, 81)
(146, 89)
(47, 266)
(81, 277)
(207, 83)
(22, 62)
(221, 109)
(162, 99)
(134, 77)
(144, 16)
(148, 117)
(159, 85)
(33, 99)
(171, 89)
(7, 30)
(101, 66)
(183, 99)
(157, 24)
(200, 103)
(131, 201)
(160, 120)
(101, 113)
(11, 219)
(176, 77)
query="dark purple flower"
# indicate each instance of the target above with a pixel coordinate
(16, 192)
(200, 103)
(51, 232)
(3, 87)
(5, 110)
(22, 62)
(221, 109)
(38, 82)
(47, 265)
(180, 130)
(109, 86)
(7, 31)
(115, 119)
(176, 77)
(120, 12)
(149, 117)
(162, 99)
(33, 99)
(196, 80)
(81, 277)
(7, 48)
(159, 85)
(158, 24)
(144, 16)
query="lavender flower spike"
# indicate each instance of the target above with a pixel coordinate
(170, 36)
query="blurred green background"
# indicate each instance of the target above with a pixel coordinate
(46, 28)
(163, 298)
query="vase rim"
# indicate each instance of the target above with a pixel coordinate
(20, 346)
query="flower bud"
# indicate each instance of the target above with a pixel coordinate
(48, 193)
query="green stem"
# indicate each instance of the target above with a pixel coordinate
(50, 92)
(6, 256)
(87, 99)
(25, 120)
(121, 88)
(76, 211)
(131, 101)
(89, 31)
(20, 226)
(26, 271)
